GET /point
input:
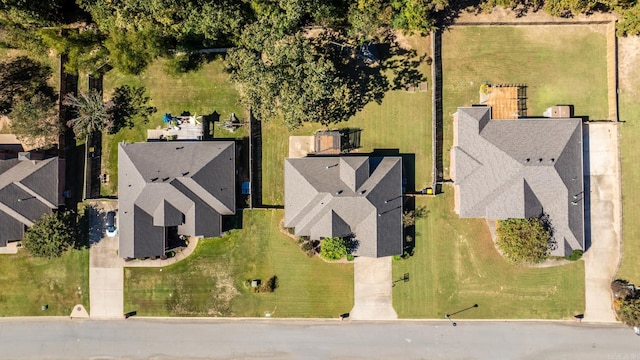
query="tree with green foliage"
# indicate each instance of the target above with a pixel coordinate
(366, 17)
(417, 15)
(629, 23)
(22, 78)
(290, 79)
(90, 114)
(334, 248)
(34, 121)
(129, 104)
(84, 50)
(130, 51)
(629, 311)
(524, 240)
(51, 235)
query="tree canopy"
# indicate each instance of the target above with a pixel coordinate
(90, 114)
(50, 236)
(22, 78)
(34, 121)
(524, 240)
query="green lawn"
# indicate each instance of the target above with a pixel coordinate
(559, 64)
(27, 283)
(629, 108)
(402, 121)
(210, 282)
(201, 92)
(456, 265)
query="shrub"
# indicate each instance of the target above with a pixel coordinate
(397, 257)
(350, 257)
(334, 248)
(575, 255)
(524, 240)
(51, 235)
(306, 246)
(268, 286)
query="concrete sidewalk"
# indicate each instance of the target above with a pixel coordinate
(372, 280)
(602, 257)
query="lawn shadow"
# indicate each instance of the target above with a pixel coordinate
(95, 224)
(207, 125)
(243, 174)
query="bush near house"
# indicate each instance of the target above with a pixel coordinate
(523, 240)
(334, 248)
(51, 236)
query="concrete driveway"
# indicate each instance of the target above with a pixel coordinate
(372, 290)
(603, 213)
(106, 276)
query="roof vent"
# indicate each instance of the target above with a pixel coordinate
(362, 192)
(165, 179)
(185, 173)
(527, 160)
(180, 148)
(154, 179)
(552, 160)
(540, 160)
(338, 192)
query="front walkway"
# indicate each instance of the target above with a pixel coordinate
(372, 290)
(602, 257)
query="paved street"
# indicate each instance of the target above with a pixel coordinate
(604, 213)
(290, 339)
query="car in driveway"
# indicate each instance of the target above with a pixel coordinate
(110, 224)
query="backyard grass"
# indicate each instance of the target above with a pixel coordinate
(456, 265)
(27, 283)
(201, 92)
(559, 64)
(629, 108)
(211, 281)
(402, 122)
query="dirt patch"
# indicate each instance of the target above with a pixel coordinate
(628, 58)
(504, 15)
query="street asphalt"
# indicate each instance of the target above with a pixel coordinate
(138, 338)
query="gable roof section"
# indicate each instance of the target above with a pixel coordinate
(28, 190)
(349, 195)
(179, 184)
(521, 168)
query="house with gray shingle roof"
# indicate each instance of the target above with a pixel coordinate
(184, 186)
(29, 189)
(356, 196)
(519, 169)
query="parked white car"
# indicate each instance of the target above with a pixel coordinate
(110, 224)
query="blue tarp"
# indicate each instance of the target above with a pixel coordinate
(167, 117)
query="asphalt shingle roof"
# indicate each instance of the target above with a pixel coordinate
(28, 190)
(184, 184)
(349, 195)
(521, 168)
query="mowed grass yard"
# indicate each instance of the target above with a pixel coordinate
(27, 283)
(402, 121)
(629, 108)
(563, 64)
(456, 265)
(211, 281)
(201, 92)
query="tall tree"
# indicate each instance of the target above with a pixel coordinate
(91, 114)
(35, 121)
(50, 236)
(21, 78)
